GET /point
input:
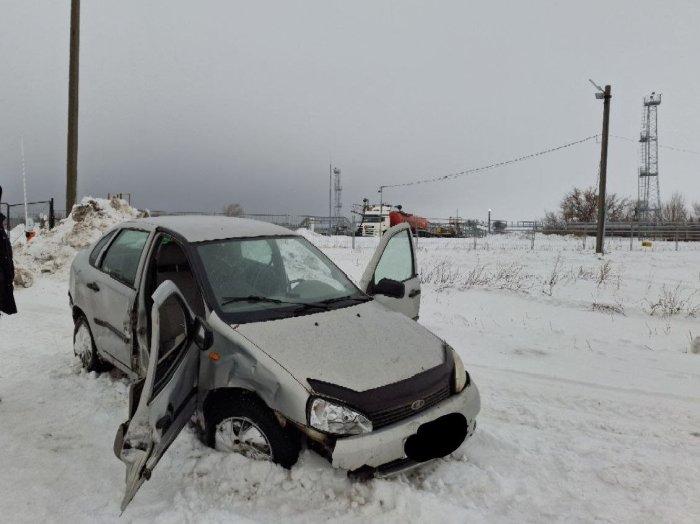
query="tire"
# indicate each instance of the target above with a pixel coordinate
(261, 430)
(84, 347)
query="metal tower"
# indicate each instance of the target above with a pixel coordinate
(648, 197)
(337, 192)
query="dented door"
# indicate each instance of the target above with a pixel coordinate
(162, 403)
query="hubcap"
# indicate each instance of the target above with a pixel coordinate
(242, 435)
(82, 346)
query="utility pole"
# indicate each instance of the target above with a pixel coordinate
(381, 210)
(73, 68)
(606, 96)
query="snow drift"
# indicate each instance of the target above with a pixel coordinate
(52, 251)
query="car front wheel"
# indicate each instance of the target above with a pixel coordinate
(243, 424)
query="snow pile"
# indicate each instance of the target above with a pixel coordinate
(17, 237)
(52, 251)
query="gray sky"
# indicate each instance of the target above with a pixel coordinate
(192, 105)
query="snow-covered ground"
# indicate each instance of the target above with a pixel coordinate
(590, 402)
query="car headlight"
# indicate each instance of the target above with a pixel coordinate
(460, 379)
(334, 418)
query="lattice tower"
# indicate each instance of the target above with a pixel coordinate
(337, 192)
(648, 196)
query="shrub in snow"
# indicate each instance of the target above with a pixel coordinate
(673, 302)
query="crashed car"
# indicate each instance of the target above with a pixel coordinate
(251, 332)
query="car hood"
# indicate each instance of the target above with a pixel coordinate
(359, 347)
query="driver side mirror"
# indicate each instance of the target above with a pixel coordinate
(203, 338)
(390, 288)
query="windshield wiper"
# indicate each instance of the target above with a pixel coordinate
(342, 299)
(257, 298)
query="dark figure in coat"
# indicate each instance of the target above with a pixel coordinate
(7, 270)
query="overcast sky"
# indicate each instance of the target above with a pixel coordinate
(193, 105)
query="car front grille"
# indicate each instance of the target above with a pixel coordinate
(391, 415)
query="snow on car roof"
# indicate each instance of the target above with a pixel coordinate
(200, 228)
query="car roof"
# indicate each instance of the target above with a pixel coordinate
(201, 228)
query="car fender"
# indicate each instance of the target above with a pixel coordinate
(236, 362)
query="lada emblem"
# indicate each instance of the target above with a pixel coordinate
(417, 404)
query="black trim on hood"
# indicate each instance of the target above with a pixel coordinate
(391, 403)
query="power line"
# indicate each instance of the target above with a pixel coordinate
(452, 176)
(679, 149)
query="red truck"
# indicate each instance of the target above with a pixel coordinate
(375, 223)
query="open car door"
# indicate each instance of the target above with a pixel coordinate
(391, 275)
(161, 403)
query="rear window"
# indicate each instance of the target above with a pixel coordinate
(122, 258)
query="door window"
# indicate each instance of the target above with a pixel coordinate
(99, 247)
(397, 260)
(122, 258)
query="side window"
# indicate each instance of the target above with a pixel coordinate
(100, 246)
(257, 250)
(397, 260)
(122, 258)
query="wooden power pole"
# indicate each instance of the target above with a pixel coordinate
(606, 96)
(73, 69)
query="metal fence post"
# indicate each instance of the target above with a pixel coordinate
(676, 237)
(585, 234)
(354, 232)
(631, 235)
(532, 244)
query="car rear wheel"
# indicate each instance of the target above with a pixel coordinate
(243, 424)
(84, 347)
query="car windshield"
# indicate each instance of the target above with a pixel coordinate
(371, 218)
(265, 278)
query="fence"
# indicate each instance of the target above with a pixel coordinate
(41, 213)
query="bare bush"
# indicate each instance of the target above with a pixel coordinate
(511, 277)
(605, 271)
(554, 277)
(673, 302)
(445, 274)
(604, 307)
(477, 276)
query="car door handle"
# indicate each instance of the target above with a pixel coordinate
(164, 422)
(414, 293)
(93, 286)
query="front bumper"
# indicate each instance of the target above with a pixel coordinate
(383, 449)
